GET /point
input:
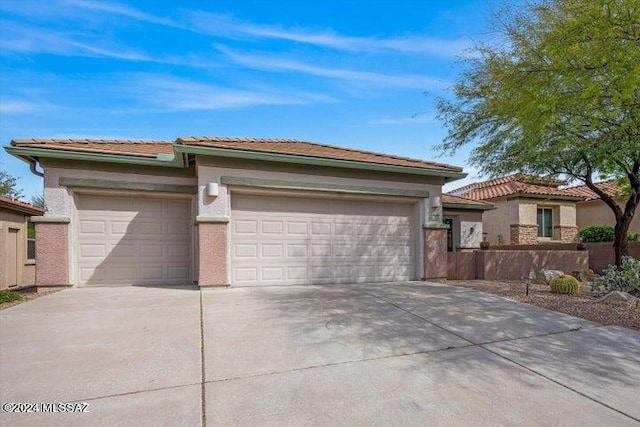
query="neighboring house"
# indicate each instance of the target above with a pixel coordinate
(230, 211)
(464, 220)
(17, 265)
(594, 211)
(529, 209)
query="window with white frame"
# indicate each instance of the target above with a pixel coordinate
(545, 222)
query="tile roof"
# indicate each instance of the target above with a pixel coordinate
(518, 184)
(473, 204)
(610, 187)
(138, 148)
(311, 149)
(20, 206)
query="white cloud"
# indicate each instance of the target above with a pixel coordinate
(272, 63)
(16, 107)
(225, 26)
(118, 9)
(20, 39)
(229, 27)
(162, 93)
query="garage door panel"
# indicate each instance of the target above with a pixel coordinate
(272, 227)
(296, 273)
(297, 251)
(93, 227)
(270, 250)
(246, 227)
(179, 251)
(320, 228)
(93, 251)
(245, 274)
(125, 240)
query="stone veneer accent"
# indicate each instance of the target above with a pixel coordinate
(522, 234)
(212, 254)
(435, 253)
(52, 254)
(567, 234)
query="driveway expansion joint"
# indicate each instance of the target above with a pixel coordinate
(346, 362)
(203, 387)
(548, 378)
(130, 393)
(421, 318)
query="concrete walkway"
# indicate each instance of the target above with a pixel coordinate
(385, 354)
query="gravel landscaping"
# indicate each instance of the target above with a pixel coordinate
(28, 295)
(586, 305)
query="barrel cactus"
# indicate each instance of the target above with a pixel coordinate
(565, 284)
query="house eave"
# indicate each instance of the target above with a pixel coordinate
(316, 161)
(467, 207)
(31, 155)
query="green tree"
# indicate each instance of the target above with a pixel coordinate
(9, 186)
(556, 92)
(38, 200)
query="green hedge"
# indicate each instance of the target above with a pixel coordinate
(603, 233)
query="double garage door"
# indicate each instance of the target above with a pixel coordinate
(292, 240)
(133, 240)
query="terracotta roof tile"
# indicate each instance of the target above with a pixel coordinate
(311, 149)
(515, 184)
(610, 187)
(20, 206)
(138, 148)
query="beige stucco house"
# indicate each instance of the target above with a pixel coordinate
(593, 211)
(234, 212)
(17, 268)
(528, 210)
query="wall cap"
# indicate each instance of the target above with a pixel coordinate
(51, 219)
(435, 227)
(212, 219)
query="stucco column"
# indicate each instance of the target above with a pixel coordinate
(435, 252)
(52, 250)
(213, 243)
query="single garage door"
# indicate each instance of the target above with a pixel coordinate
(133, 240)
(292, 240)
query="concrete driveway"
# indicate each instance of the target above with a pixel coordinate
(386, 354)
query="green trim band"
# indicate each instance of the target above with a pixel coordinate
(51, 219)
(326, 188)
(28, 154)
(212, 219)
(463, 206)
(317, 161)
(126, 185)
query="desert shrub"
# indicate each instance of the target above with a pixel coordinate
(565, 284)
(8, 296)
(603, 233)
(625, 280)
(597, 233)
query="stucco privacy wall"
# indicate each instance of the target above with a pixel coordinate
(220, 206)
(60, 200)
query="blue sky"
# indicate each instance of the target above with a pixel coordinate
(362, 74)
